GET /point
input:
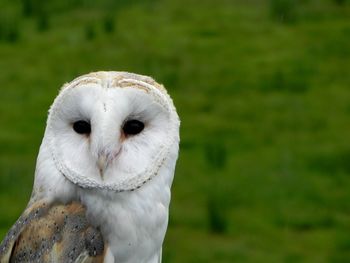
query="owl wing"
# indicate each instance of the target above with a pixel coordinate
(53, 233)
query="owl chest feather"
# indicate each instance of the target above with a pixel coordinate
(132, 223)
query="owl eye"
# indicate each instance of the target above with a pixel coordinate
(133, 127)
(82, 127)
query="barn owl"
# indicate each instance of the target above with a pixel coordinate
(103, 175)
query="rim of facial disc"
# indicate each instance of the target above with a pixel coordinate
(135, 180)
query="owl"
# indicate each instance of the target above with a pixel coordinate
(103, 175)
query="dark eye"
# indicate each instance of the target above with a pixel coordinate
(133, 127)
(82, 127)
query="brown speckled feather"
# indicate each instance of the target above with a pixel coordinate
(53, 233)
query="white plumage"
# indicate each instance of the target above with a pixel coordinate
(122, 180)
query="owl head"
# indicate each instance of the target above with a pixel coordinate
(111, 131)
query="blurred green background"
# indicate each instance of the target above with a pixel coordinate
(263, 91)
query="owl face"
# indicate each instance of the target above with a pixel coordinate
(111, 130)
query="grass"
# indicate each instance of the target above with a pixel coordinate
(263, 171)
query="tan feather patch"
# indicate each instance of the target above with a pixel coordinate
(53, 233)
(116, 81)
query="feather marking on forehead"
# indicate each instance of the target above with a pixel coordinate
(116, 79)
(125, 80)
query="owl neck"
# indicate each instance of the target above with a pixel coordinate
(133, 223)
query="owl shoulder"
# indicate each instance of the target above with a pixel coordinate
(53, 233)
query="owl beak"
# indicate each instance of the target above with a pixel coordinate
(102, 163)
(105, 158)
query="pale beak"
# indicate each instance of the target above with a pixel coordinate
(102, 164)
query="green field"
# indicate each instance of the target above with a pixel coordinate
(263, 92)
